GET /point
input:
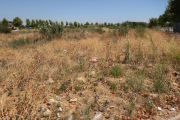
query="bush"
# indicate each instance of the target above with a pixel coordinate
(116, 71)
(19, 43)
(100, 30)
(159, 78)
(5, 29)
(140, 31)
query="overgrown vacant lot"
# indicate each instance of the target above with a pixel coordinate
(136, 75)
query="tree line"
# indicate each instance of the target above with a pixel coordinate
(170, 15)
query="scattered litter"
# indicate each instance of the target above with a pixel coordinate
(93, 73)
(58, 115)
(159, 108)
(47, 112)
(172, 109)
(94, 59)
(125, 50)
(97, 116)
(58, 98)
(64, 51)
(52, 101)
(42, 108)
(70, 118)
(60, 109)
(101, 109)
(50, 81)
(73, 100)
(97, 97)
(81, 79)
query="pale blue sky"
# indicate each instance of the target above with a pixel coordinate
(100, 11)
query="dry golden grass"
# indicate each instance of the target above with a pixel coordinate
(24, 72)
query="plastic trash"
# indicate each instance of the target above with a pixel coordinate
(97, 116)
(42, 108)
(94, 59)
(70, 118)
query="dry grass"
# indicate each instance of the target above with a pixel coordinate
(24, 73)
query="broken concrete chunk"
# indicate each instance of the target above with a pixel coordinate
(81, 79)
(73, 100)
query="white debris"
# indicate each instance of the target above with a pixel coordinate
(73, 100)
(97, 116)
(159, 108)
(50, 81)
(60, 109)
(172, 109)
(52, 101)
(94, 59)
(81, 79)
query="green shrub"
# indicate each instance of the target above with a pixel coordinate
(5, 29)
(113, 85)
(158, 77)
(123, 30)
(131, 106)
(116, 71)
(139, 31)
(136, 82)
(19, 43)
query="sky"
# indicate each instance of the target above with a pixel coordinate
(82, 11)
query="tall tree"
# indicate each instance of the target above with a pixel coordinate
(87, 23)
(37, 22)
(105, 24)
(118, 24)
(28, 23)
(62, 23)
(92, 23)
(50, 22)
(79, 25)
(71, 25)
(17, 22)
(96, 23)
(173, 7)
(75, 24)
(5, 22)
(66, 23)
(47, 23)
(33, 23)
(153, 22)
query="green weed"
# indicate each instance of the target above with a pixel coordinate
(116, 71)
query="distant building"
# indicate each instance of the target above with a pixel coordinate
(10, 24)
(176, 27)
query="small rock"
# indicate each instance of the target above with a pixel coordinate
(97, 116)
(101, 109)
(47, 112)
(50, 81)
(73, 100)
(107, 117)
(42, 108)
(96, 84)
(96, 97)
(70, 118)
(52, 101)
(58, 98)
(111, 107)
(81, 79)
(172, 109)
(159, 108)
(154, 95)
(59, 109)
(92, 74)
(58, 115)
(160, 114)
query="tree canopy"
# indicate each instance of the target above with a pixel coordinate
(17, 22)
(5, 22)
